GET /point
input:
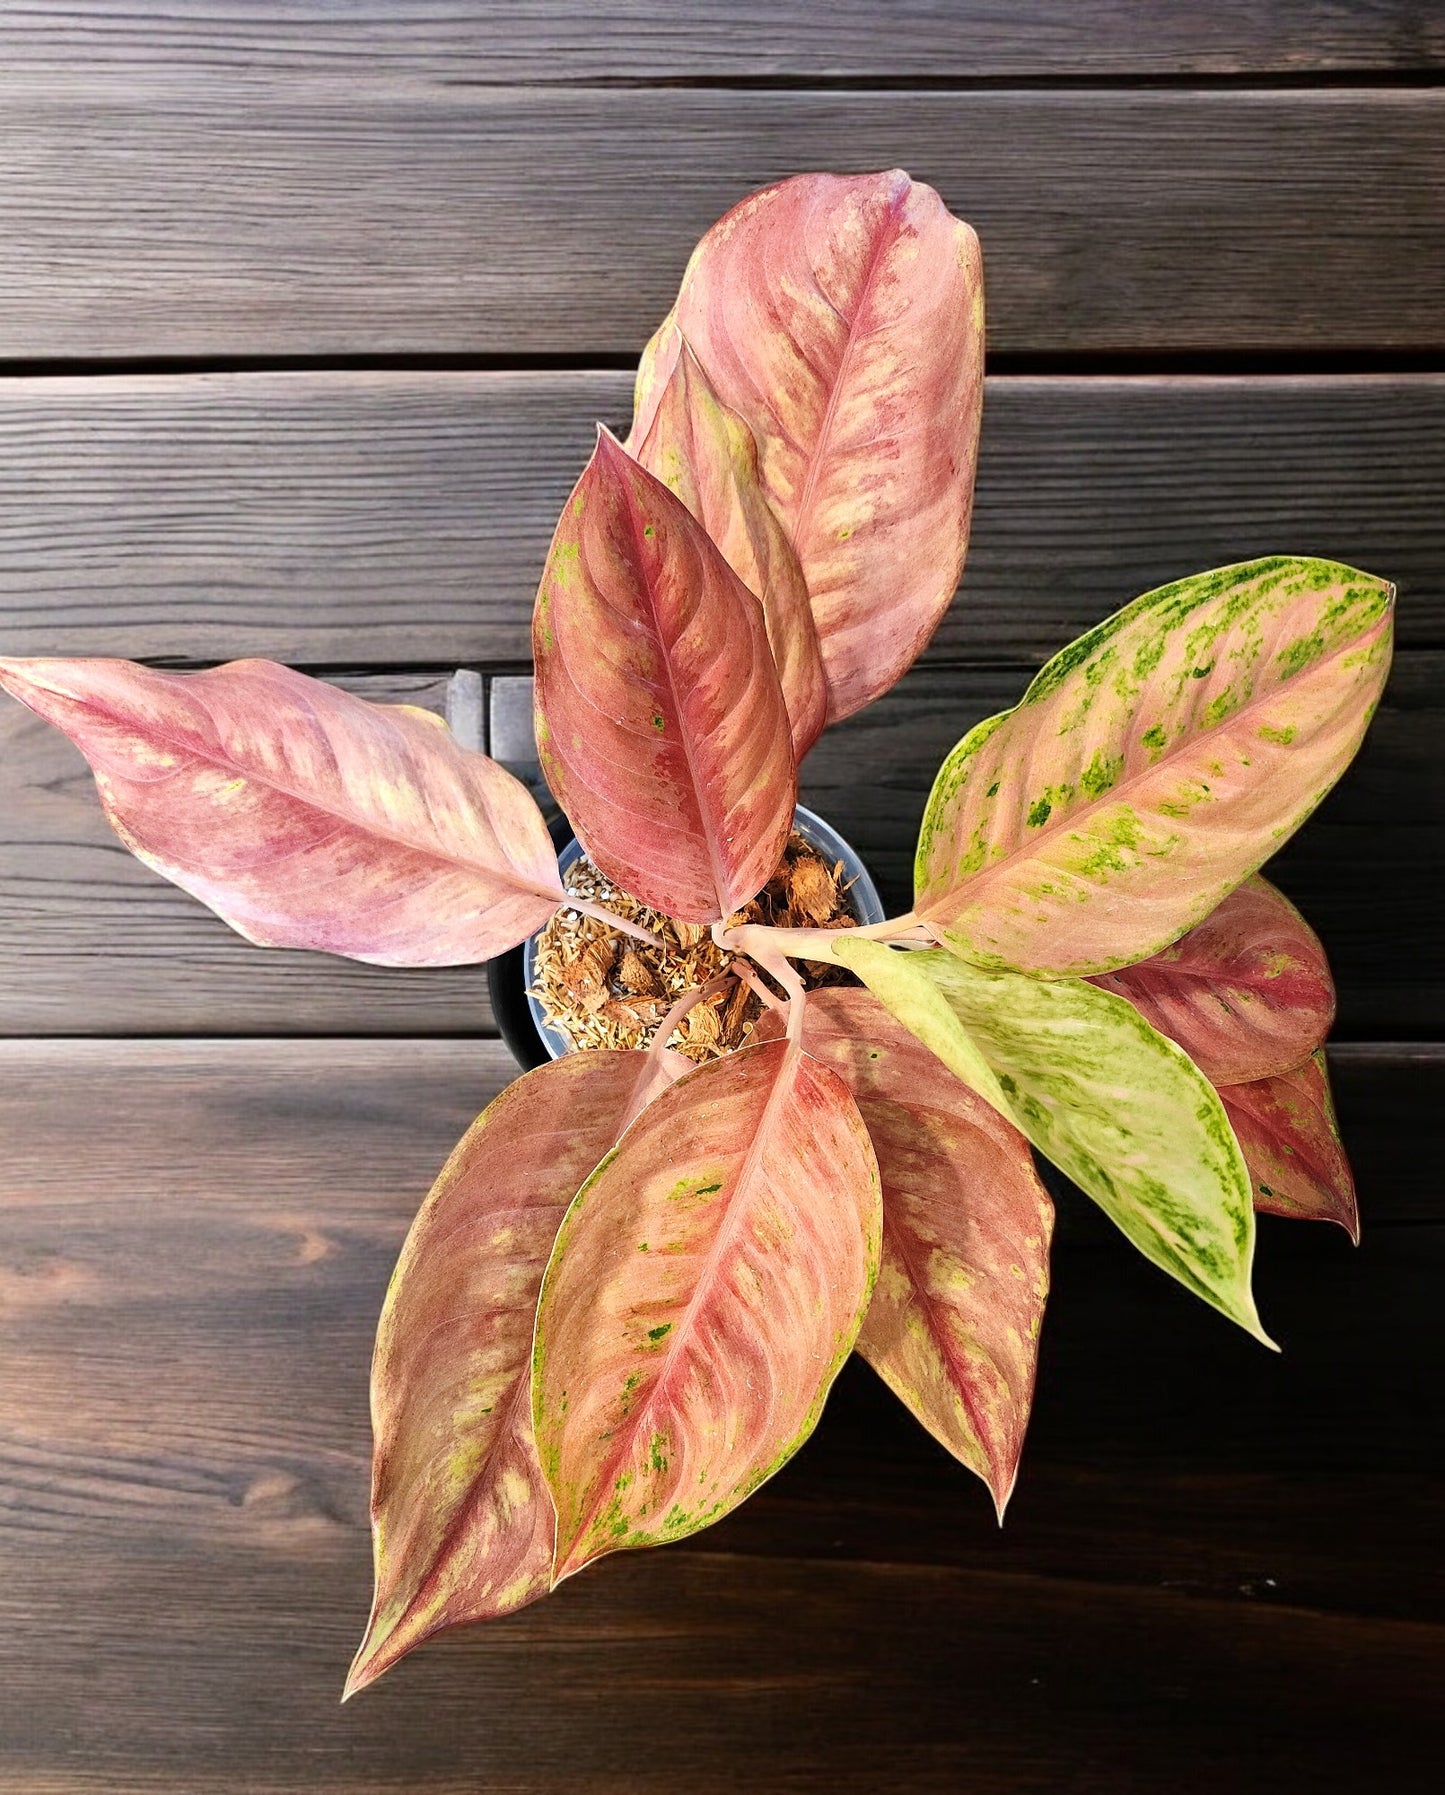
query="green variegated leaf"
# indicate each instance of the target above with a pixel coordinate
(1116, 1106)
(1152, 766)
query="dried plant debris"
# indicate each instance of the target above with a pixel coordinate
(603, 989)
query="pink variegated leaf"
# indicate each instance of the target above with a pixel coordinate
(953, 1328)
(462, 1523)
(302, 815)
(1291, 1143)
(706, 1286)
(1151, 767)
(1247, 993)
(841, 316)
(706, 455)
(661, 723)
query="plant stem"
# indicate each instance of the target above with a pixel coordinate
(587, 907)
(740, 969)
(770, 958)
(665, 1029)
(656, 1075)
(762, 943)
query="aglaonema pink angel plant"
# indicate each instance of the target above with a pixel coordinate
(623, 1303)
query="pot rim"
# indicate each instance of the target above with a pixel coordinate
(815, 830)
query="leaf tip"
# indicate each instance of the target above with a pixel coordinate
(364, 1670)
(15, 671)
(382, 1646)
(1002, 1479)
(568, 1561)
(608, 445)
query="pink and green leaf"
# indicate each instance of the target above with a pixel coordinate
(841, 316)
(661, 723)
(1247, 993)
(1291, 1142)
(953, 1328)
(706, 455)
(1115, 1105)
(1152, 766)
(305, 816)
(706, 1286)
(463, 1528)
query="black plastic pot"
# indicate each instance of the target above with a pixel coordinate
(507, 984)
(516, 1019)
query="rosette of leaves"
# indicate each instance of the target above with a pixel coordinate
(622, 1305)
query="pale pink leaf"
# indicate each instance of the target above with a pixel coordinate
(1247, 993)
(1152, 766)
(305, 816)
(1291, 1143)
(706, 455)
(661, 724)
(841, 316)
(707, 1284)
(953, 1327)
(463, 1528)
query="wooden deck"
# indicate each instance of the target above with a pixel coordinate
(306, 313)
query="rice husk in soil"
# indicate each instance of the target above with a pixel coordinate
(603, 989)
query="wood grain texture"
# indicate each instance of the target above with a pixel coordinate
(368, 519)
(1225, 1574)
(474, 219)
(93, 942)
(252, 41)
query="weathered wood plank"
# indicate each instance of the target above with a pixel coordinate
(92, 942)
(1218, 1570)
(179, 1670)
(191, 1671)
(251, 41)
(472, 219)
(368, 519)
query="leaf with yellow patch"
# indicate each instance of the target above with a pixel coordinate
(1247, 993)
(1291, 1143)
(706, 455)
(706, 1286)
(841, 316)
(1115, 1105)
(953, 1328)
(462, 1524)
(305, 816)
(661, 724)
(1152, 766)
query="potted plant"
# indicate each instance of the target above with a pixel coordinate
(622, 1305)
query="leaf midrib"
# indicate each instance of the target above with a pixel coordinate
(706, 1280)
(855, 334)
(700, 791)
(217, 760)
